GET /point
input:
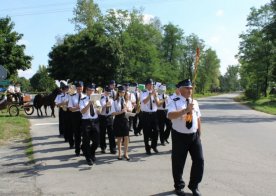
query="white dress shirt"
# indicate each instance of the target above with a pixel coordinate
(74, 100)
(179, 124)
(103, 103)
(83, 103)
(146, 107)
(116, 106)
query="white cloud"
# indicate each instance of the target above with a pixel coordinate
(147, 18)
(23, 42)
(26, 74)
(220, 13)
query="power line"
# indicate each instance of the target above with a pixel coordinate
(37, 6)
(41, 13)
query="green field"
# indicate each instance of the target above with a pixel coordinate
(264, 104)
(16, 128)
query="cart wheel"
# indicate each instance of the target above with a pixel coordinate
(29, 110)
(13, 110)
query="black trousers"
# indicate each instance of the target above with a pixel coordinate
(137, 125)
(106, 125)
(76, 128)
(65, 125)
(150, 129)
(69, 128)
(181, 145)
(162, 121)
(90, 131)
(60, 122)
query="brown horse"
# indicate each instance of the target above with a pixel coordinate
(46, 100)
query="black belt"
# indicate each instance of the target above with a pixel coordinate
(185, 133)
(90, 120)
(149, 113)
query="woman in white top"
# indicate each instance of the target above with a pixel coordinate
(120, 106)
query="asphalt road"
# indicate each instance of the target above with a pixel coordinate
(239, 149)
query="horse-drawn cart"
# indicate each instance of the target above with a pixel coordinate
(13, 107)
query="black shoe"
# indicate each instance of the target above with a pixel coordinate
(155, 150)
(127, 158)
(163, 144)
(136, 134)
(103, 151)
(167, 141)
(120, 158)
(89, 162)
(113, 152)
(148, 152)
(140, 134)
(77, 153)
(93, 158)
(179, 192)
(72, 146)
(195, 191)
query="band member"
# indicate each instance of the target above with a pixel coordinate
(149, 102)
(106, 122)
(112, 85)
(61, 102)
(168, 129)
(132, 99)
(162, 115)
(120, 106)
(90, 125)
(185, 115)
(75, 120)
(137, 125)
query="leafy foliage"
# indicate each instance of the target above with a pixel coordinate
(257, 52)
(41, 81)
(12, 55)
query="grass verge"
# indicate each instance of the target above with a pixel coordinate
(16, 128)
(264, 104)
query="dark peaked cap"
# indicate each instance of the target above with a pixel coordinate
(78, 83)
(185, 83)
(107, 89)
(149, 81)
(121, 89)
(91, 86)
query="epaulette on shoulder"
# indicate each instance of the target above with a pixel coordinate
(102, 97)
(83, 98)
(176, 99)
(74, 94)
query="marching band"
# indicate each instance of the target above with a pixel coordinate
(86, 118)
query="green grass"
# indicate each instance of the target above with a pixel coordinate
(196, 96)
(264, 104)
(16, 128)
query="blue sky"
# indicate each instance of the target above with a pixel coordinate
(217, 22)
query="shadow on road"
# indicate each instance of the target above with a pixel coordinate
(168, 193)
(234, 119)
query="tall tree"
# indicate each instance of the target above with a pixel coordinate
(208, 71)
(86, 14)
(230, 81)
(41, 81)
(83, 57)
(12, 55)
(256, 51)
(189, 45)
